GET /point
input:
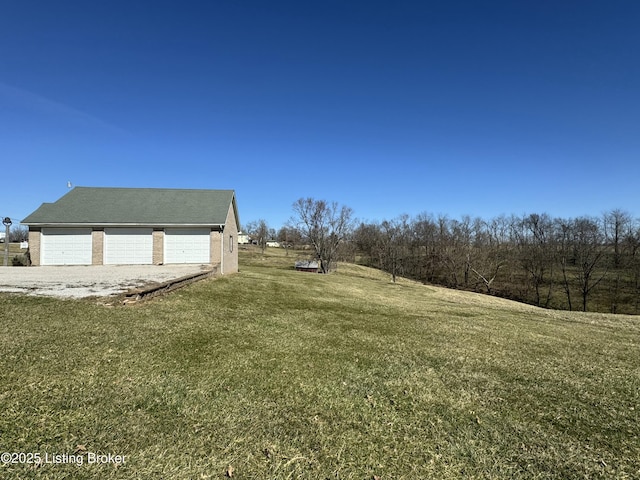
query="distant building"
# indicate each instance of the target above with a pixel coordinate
(273, 244)
(307, 266)
(243, 239)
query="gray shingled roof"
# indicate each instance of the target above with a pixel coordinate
(136, 206)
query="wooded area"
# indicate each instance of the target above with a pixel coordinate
(585, 263)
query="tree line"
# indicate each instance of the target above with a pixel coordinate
(584, 263)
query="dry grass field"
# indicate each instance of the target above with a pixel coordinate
(277, 374)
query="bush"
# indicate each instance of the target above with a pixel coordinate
(19, 261)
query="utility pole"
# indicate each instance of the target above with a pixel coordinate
(6, 221)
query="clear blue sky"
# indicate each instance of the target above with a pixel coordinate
(449, 107)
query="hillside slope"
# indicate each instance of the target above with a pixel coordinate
(282, 374)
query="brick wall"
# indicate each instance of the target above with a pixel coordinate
(158, 247)
(216, 238)
(34, 247)
(230, 243)
(97, 247)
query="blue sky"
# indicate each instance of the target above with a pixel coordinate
(448, 107)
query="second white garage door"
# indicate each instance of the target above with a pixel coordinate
(187, 245)
(128, 246)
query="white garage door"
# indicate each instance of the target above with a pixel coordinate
(128, 246)
(186, 245)
(65, 246)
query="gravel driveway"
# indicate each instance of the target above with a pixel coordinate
(88, 281)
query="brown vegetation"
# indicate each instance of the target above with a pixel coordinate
(584, 263)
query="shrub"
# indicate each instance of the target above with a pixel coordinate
(19, 261)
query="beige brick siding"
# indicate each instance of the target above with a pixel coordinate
(230, 243)
(34, 247)
(214, 248)
(97, 247)
(158, 247)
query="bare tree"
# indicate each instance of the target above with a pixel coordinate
(563, 233)
(325, 225)
(424, 228)
(289, 237)
(448, 246)
(394, 244)
(616, 224)
(589, 251)
(259, 230)
(632, 247)
(366, 240)
(533, 237)
(19, 233)
(491, 252)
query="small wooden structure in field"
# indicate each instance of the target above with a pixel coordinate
(307, 266)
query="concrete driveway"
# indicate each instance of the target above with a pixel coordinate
(88, 281)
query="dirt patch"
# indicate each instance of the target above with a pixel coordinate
(88, 281)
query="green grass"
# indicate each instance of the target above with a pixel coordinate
(282, 374)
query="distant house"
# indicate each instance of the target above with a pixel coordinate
(243, 238)
(307, 266)
(99, 226)
(273, 244)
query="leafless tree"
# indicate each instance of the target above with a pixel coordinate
(616, 224)
(533, 237)
(589, 248)
(565, 257)
(394, 244)
(289, 237)
(491, 252)
(449, 251)
(424, 229)
(326, 225)
(632, 247)
(19, 233)
(259, 230)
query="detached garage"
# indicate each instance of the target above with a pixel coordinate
(136, 226)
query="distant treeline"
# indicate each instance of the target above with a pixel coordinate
(585, 263)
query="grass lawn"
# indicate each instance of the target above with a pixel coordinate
(277, 374)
